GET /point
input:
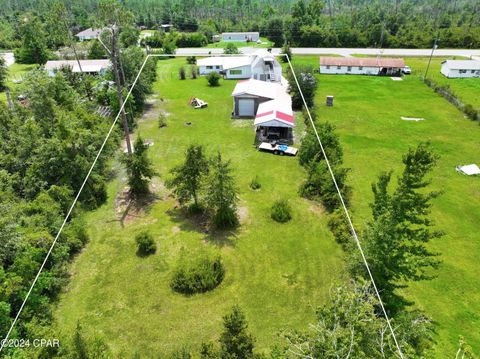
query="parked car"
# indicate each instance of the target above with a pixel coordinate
(278, 149)
(407, 70)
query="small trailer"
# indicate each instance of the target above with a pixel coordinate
(278, 149)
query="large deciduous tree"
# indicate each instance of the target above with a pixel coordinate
(34, 43)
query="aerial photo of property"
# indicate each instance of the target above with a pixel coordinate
(250, 179)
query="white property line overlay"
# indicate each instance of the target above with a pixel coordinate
(354, 233)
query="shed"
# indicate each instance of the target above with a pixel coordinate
(361, 66)
(249, 94)
(460, 68)
(240, 36)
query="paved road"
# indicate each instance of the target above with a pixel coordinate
(341, 51)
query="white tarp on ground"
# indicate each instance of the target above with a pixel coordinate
(469, 170)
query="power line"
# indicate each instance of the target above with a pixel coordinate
(347, 214)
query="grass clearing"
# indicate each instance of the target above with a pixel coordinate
(277, 273)
(367, 113)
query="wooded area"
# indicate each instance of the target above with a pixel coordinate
(303, 23)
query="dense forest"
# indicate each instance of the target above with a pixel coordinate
(303, 23)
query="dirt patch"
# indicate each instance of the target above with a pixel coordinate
(128, 209)
(317, 208)
(244, 215)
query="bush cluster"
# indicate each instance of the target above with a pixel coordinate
(199, 275)
(213, 79)
(145, 244)
(281, 211)
(338, 225)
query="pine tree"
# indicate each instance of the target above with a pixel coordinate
(139, 169)
(34, 43)
(235, 341)
(3, 73)
(397, 237)
(222, 195)
(80, 346)
(189, 177)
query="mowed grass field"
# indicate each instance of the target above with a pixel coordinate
(468, 89)
(278, 273)
(367, 113)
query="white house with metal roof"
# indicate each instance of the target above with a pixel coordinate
(260, 65)
(240, 36)
(88, 34)
(92, 67)
(461, 68)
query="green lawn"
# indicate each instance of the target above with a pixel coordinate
(15, 73)
(265, 44)
(467, 90)
(278, 273)
(367, 114)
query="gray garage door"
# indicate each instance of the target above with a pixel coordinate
(246, 107)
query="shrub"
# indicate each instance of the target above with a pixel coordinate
(145, 244)
(213, 78)
(471, 113)
(199, 275)
(281, 211)
(231, 48)
(192, 60)
(194, 72)
(338, 225)
(255, 184)
(181, 73)
(162, 120)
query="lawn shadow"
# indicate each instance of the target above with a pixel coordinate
(128, 208)
(199, 222)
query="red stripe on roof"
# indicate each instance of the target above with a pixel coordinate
(264, 114)
(285, 117)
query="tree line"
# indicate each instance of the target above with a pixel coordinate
(305, 23)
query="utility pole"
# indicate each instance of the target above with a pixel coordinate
(114, 54)
(430, 60)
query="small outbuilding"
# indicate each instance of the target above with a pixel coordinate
(92, 67)
(249, 94)
(240, 36)
(361, 66)
(460, 68)
(88, 34)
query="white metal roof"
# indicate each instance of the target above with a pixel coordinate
(469, 169)
(87, 65)
(89, 32)
(227, 62)
(462, 64)
(260, 88)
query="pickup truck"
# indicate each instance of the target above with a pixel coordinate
(278, 149)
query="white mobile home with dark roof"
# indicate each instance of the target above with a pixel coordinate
(240, 36)
(460, 68)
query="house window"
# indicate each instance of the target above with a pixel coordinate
(360, 68)
(235, 72)
(217, 67)
(349, 68)
(463, 71)
(209, 67)
(328, 67)
(473, 71)
(339, 67)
